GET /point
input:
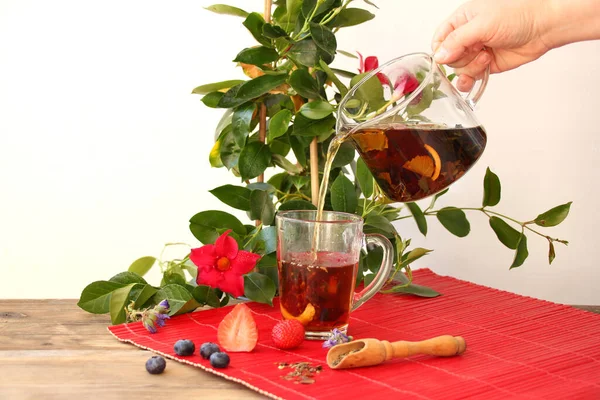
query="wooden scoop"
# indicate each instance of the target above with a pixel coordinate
(367, 352)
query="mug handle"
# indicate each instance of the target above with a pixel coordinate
(472, 98)
(384, 271)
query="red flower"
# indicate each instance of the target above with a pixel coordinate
(369, 64)
(404, 83)
(222, 265)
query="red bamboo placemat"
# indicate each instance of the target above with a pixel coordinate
(517, 347)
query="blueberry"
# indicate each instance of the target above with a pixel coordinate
(207, 349)
(219, 360)
(156, 365)
(184, 347)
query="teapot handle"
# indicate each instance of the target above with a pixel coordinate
(472, 98)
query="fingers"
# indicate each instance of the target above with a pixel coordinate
(472, 71)
(457, 42)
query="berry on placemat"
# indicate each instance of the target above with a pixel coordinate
(184, 347)
(156, 365)
(207, 349)
(288, 334)
(219, 360)
(237, 331)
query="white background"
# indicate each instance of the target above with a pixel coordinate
(104, 150)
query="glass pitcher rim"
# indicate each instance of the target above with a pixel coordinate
(349, 217)
(402, 104)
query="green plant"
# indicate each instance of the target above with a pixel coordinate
(283, 118)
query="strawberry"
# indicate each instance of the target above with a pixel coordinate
(237, 331)
(288, 334)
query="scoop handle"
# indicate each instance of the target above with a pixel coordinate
(444, 346)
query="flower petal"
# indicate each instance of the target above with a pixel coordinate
(232, 283)
(244, 262)
(371, 63)
(209, 276)
(204, 255)
(226, 246)
(361, 67)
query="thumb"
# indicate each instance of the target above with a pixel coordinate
(459, 41)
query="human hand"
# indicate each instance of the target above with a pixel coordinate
(502, 34)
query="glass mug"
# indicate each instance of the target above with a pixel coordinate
(318, 265)
(415, 132)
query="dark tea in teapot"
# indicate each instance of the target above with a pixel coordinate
(413, 162)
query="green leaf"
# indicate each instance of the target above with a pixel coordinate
(310, 127)
(259, 86)
(229, 151)
(304, 52)
(506, 234)
(254, 159)
(551, 252)
(419, 217)
(260, 55)
(324, 39)
(347, 54)
(212, 99)
(299, 148)
(344, 156)
(217, 86)
(227, 10)
(273, 31)
(371, 91)
(261, 207)
(118, 301)
(214, 158)
(173, 276)
(297, 205)
(278, 124)
(454, 220)
(522, 253)
(140, 294)
(234, 196)
(317, 109)
(343, 195)
(261, 186)
(230, 99)
(206, 295)
(423, 104)
(284, 163)
(364, 177)
(374, 260)
(142, 265)
(254, 22)
(346, 74)
(95, 298)
(241, 121)
(304, 84)
(180, 299)
(553, 216)
(413, 256)
(280, 146)
(127, 277)
(418, 290)
(491, 189)
(352, 17)
(268, 235)
(207, 226)
(380, 222)
(332, 76)
(259, 288)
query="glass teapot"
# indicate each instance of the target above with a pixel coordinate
(415, 132)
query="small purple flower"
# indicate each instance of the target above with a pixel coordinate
(160, 319)
(164, 303)
(149, 324)
(336, 337)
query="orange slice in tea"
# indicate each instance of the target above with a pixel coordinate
(369, 140)
(307, 315)
(428, 166)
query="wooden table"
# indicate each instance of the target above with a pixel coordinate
(51, 349)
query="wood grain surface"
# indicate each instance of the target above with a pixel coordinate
(51, 349)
